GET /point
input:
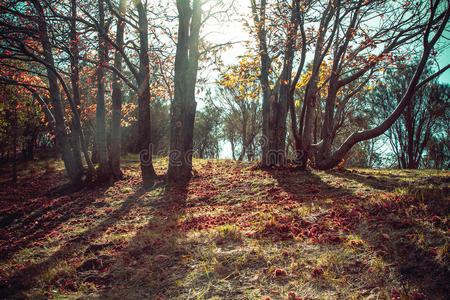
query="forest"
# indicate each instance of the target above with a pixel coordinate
(224, 149)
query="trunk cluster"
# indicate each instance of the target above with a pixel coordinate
(184, 105)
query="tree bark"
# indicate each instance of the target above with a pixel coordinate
(276, 99)
(117, 96)
(183, 106)
(103, 171)
(144, 121)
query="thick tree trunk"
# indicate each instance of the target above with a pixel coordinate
(328, 123)
(304, 136)
(260, 24)
(311, 94)
(103, 171)
(144, 121)
(183, 105)
(117, 96)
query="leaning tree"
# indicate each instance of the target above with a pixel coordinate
(352, 40)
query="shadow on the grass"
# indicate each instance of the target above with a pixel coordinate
(24, 279)
(32, 215)
(388, 181)
(151, 263)
(415, 264)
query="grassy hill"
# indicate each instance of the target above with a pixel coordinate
(234, 232)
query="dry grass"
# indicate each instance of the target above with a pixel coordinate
(234, 232)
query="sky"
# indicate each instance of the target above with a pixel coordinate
(443, 60)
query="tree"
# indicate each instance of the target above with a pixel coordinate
(22, 110)
(238, 96)
(411, 133)
(61, 137)
(117, 94)
(345, 41)
(143, 80)
(438, 153)
(183, 104)
(32, 33)
(342, 76)
(207, 132)
(141, 74)
(104, 170)
(276, 93)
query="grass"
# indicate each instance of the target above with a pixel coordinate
(234, 232)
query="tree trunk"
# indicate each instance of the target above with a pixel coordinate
(409, 124)
(275, 100)
(233, 155)
(31, 143)
(144, 121)
(183, 106)
(117, 96)
(284, 83)
(103, 171)
(244, 136)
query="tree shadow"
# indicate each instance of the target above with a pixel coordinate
(391, 227)
(24, 279)
(153, 260)
(30, 215)
(388, 182)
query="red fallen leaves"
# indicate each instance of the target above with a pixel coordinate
(292, 296)
(323, 230)
(279, 272)
(206, 221)
(317, 272)
(29, 215)
(274, 191)
(286, 227)
(330, 238)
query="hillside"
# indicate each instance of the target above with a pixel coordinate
(234, 232)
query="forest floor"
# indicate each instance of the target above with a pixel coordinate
(234, 232)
